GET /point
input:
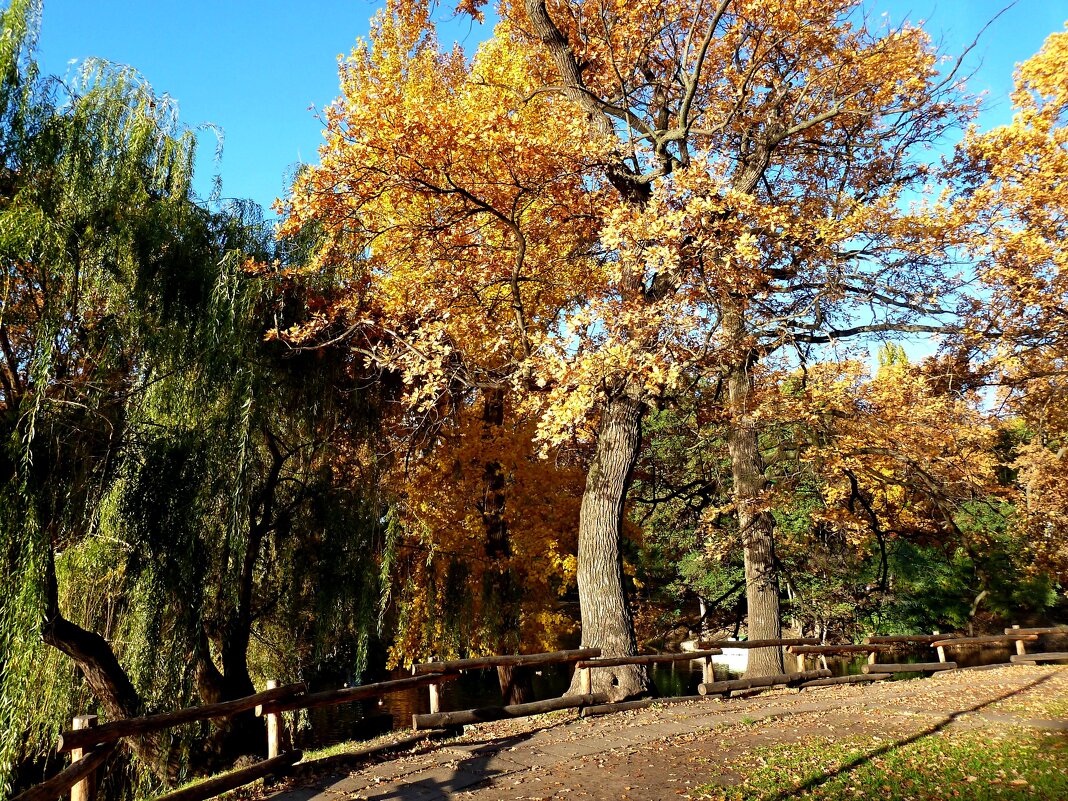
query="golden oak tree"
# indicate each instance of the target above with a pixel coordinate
(1016, 190)
(486, 541)
(466, 204)
(896, 456)
(611, 195)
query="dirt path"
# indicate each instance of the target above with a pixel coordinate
(668, 752)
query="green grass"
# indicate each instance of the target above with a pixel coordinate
(347, 746)
(979, 765)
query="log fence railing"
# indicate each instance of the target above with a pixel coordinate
(456, 666)
(86, 737)
(587, 666)
(91, 744)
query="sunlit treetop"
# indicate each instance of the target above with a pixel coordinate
(601, 190)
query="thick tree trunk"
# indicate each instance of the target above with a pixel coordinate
(244, 733)
(106, 678)
(606, 617)
(755, 524)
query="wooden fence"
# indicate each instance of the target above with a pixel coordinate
(91, 744)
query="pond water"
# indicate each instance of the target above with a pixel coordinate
(964, 657)
(479, 688)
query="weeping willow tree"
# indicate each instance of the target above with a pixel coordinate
(172, 491)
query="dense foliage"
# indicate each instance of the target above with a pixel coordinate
(583, 316)
(172, 498)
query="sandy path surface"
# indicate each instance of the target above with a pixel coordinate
(665, 752)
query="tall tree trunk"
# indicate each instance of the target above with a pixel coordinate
(245, 733)
(755, 524)
(606, 619)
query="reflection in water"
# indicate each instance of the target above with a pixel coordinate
(479, 688)
(964, 657)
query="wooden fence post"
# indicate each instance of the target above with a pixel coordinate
(435, 698)
(708, 677)
(585, 680)
(800, 663)
(274, 727)
(941, 650)
(1021, 646)
(85, 790)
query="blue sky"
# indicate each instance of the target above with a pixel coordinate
(250, 68)
(254, 68)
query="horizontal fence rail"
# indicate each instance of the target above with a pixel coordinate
(92, 745)
(348, 695)
(508, 660)
(904, 639)
(759, 643)
(67, 778)
(1050, 656)
(909, 667)
(647, 659)
(720, 687)
(963, 642)
(217, 785)
(133, 727)
(820, 650)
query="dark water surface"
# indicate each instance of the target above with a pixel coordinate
(964, 657)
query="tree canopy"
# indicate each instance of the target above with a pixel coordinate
(590, 314)
(605, 202)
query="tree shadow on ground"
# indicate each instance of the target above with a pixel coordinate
(481, 764)
(895, 745)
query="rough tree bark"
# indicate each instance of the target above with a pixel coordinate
(606, 618)
(755, 524)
